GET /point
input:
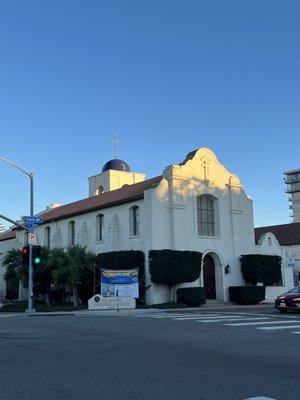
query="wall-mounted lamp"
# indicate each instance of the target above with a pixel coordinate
(227, 269)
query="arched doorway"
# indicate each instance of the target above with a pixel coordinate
(209, 277)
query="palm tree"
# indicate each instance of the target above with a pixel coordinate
(74, 264)
(15, 271)
(58, 265)
(42, 275)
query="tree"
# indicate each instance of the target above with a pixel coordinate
(58, 265)
(72, 267)
(15, 271)
(42, 276)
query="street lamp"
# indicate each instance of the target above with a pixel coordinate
(30, 176)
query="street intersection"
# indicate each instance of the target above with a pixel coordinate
(211, 355)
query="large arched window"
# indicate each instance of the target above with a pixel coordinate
(47, 234)
(100, 228)
(71, 233)
(134, 214)
(206, 215)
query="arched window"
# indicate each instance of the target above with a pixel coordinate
(71, 233)
(47, 234)
(100, 227)
(99, 190)
(269, 241)
(206, 215)
(134, 221)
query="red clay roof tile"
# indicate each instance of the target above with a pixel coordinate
(286, 234)
(7, 235)
(125, 194)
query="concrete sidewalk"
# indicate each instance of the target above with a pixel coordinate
(210, 306)
(142, 311)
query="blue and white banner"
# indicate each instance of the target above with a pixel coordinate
(121, 283)
(120, 277)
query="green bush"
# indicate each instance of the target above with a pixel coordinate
(247, 294)
(126, 259)
(261, 268)
(174, 266)
(192, 296)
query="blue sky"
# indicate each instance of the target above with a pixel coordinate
(167, 76)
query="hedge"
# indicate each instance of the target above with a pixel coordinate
(192, 296)
(247, 294)
(261, 268)
(174, 266)
(126, 259)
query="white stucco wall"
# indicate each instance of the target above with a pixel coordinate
(293, 251)
(268, 244)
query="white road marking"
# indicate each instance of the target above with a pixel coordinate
(272, 328)
(204, 317)
(263, 323)
(182, 315)
(298, 333)
(260, 398)
(233, 319)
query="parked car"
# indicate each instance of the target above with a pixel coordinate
(289, 300)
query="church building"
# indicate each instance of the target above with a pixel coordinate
(194, 205)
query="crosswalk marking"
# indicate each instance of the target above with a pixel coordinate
(273, 328)
(262, 323)
(181, 316)
(204, 317)
(232, 319)
(260, 398)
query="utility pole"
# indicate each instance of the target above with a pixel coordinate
(30, 285)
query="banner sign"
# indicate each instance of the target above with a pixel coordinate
(121, 283)
(115, 277)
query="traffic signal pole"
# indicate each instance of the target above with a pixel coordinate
(30, 283)
(30, 176)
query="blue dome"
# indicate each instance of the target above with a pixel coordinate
(117, 165)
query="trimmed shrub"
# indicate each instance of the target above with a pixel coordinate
(261, 268)
(247, 294)
(192, 296)
(127, 259)
(174, 266)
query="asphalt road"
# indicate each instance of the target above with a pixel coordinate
(129, 358)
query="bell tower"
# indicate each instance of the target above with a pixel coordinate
(114, 175)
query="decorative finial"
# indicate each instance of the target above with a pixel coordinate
(116, 141)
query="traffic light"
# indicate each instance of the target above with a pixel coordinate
(25, 256)
(36, 255)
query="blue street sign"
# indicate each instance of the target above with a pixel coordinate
(33, 220)
(30, 225)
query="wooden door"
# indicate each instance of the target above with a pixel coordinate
(209, 278)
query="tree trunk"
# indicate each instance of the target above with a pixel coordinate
(75, 297)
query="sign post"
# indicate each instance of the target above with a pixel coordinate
(31, 222)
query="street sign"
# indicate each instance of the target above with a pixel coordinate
(32, 239)
(33, 220)
(291, 262)
(30, 225)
